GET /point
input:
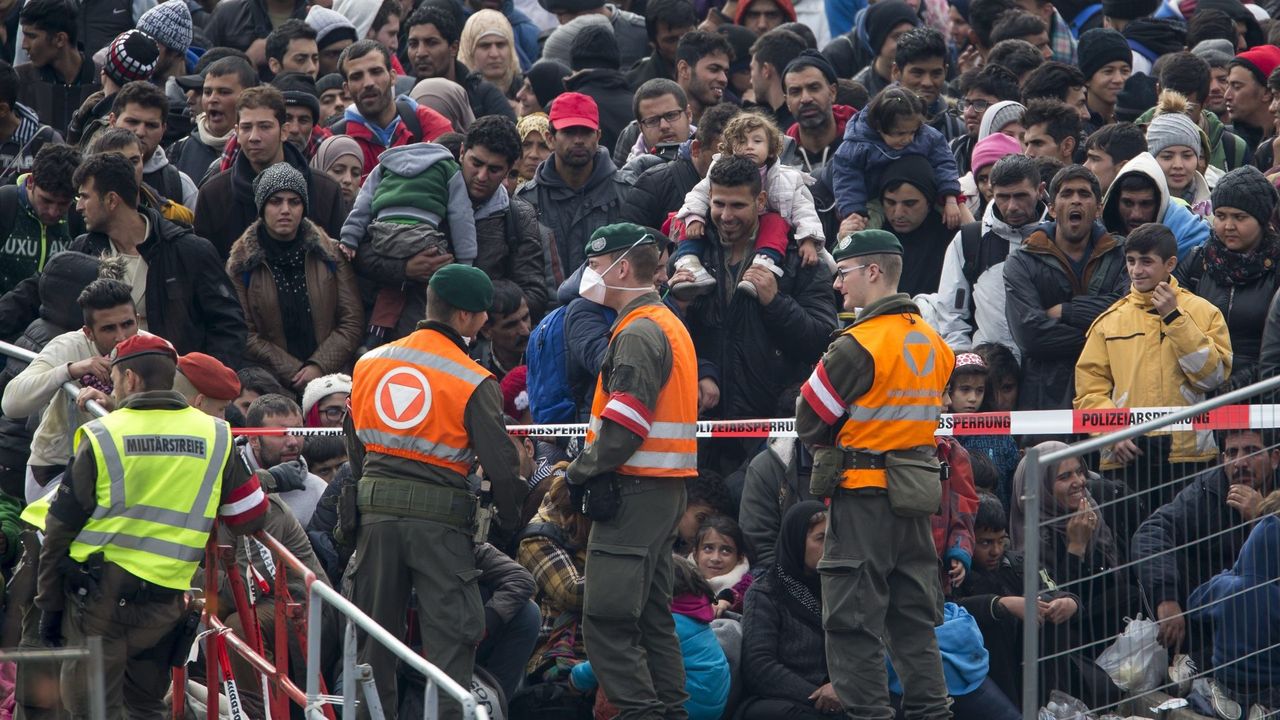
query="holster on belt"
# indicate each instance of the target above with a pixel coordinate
(420, 500)
(185, 634)
(83, 580)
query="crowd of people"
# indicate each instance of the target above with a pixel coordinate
(1080, 199)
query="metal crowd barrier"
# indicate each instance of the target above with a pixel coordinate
(1124, 500)
(278, 690)
(92, 651)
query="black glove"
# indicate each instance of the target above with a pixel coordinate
(290, 475)
(577, 496)
(51, 628)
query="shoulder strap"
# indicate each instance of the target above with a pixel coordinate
(409, 117)
(971, 243)
(513, 230)
(172, 184)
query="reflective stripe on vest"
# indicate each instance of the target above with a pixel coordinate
(157, 493)
(408, 399)
(901, 409)
(670, 448)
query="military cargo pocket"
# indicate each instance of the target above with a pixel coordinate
(617, 586)
(460, 611)
(845, 593)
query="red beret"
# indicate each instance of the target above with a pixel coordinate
(144, 343)
(209, 376)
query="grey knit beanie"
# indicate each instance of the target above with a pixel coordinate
(559, 44)
(1212, 45)
(1172, 129)
(169, 23)
(279, 178)
(1247, 189)
(999, 115)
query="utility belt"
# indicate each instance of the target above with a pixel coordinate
(420, 500)
(913, 476)
(86, 582)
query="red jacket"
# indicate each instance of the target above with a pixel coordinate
(433, 126)
(953, 526)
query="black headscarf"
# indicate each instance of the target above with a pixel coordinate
(287, 262)
(924, 248)
(800, 589)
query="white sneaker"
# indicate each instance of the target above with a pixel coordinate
(1257, 712)
(1182, 672)
(765, 262)
(701, 283)
(1223, 705)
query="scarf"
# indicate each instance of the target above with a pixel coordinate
(694, 607)
(208, 138)
(287, 262)
(1228, 267)
(1053, 519)
(801, 589)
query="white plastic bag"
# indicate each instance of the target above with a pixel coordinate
(1136, 661)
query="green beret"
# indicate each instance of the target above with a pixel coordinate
(867, 242)
(464, 287)
(619, 236)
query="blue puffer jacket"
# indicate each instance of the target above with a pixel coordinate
(706, 670)
(863, 156)
(964, 657)
(1244, 605)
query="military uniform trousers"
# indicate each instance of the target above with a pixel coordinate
(137, 638)
(880, 580)
(627, 626)
(396, 554)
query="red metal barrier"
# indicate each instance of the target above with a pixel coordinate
(279, 690)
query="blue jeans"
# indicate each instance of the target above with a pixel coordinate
(505, 649)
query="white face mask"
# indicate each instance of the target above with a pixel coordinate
(592, 285)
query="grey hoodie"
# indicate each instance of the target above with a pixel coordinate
(410, 161)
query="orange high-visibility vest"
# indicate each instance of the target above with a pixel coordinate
(670, 447)
(901, 410)
(408, 399)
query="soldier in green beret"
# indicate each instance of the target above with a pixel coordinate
(641, 447)
(422, 415)
(868, 412)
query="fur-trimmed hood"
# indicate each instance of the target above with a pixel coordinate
(247, 253)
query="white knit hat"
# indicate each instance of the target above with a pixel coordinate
(322, 387)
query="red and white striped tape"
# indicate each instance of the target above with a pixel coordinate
(1024, 422)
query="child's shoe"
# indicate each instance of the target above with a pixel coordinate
(766, 262)
(701, 283)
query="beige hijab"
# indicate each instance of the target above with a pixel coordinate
(447, 98)
(480, 24)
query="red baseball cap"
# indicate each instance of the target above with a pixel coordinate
(574, 110)
(144, 343)
(209, 376)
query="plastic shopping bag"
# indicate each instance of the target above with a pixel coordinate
(1136, 661)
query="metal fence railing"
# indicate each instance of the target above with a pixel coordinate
(305, 622)
(1163, 537)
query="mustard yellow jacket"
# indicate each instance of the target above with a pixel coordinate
(1134, 358)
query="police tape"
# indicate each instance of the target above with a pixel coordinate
(1022, 422)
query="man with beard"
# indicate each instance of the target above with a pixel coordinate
(432, 48)
(810, 84)
(907, 194)
(281, 454)
(974, 262)
(1140, 195)
(662, 120)
(502, 340)
(1062, 277)
(770, 55)
(1199, 533)
(702, 68)
(667, 22)
(378, 120)
(574, 190)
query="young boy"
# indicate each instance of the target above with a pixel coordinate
(968, 392)
(1159, 346)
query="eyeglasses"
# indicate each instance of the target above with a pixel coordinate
(334, 412)
(980, 106)
(842, 272)
(653, 122)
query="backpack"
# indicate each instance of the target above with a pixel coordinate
(979, 252)
(547, 357)
(407, 114)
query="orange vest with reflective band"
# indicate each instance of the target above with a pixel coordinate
(901, 410)
(408, 399)
(670, 448)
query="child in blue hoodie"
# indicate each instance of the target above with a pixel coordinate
(706, 669)
(891, 127)
(399, 212)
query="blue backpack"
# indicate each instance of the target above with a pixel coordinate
(550, 394)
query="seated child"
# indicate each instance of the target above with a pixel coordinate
(413, 190)
(891, 127)
(706, 669)
(723, 556)
(968, 392)
(753, 136)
